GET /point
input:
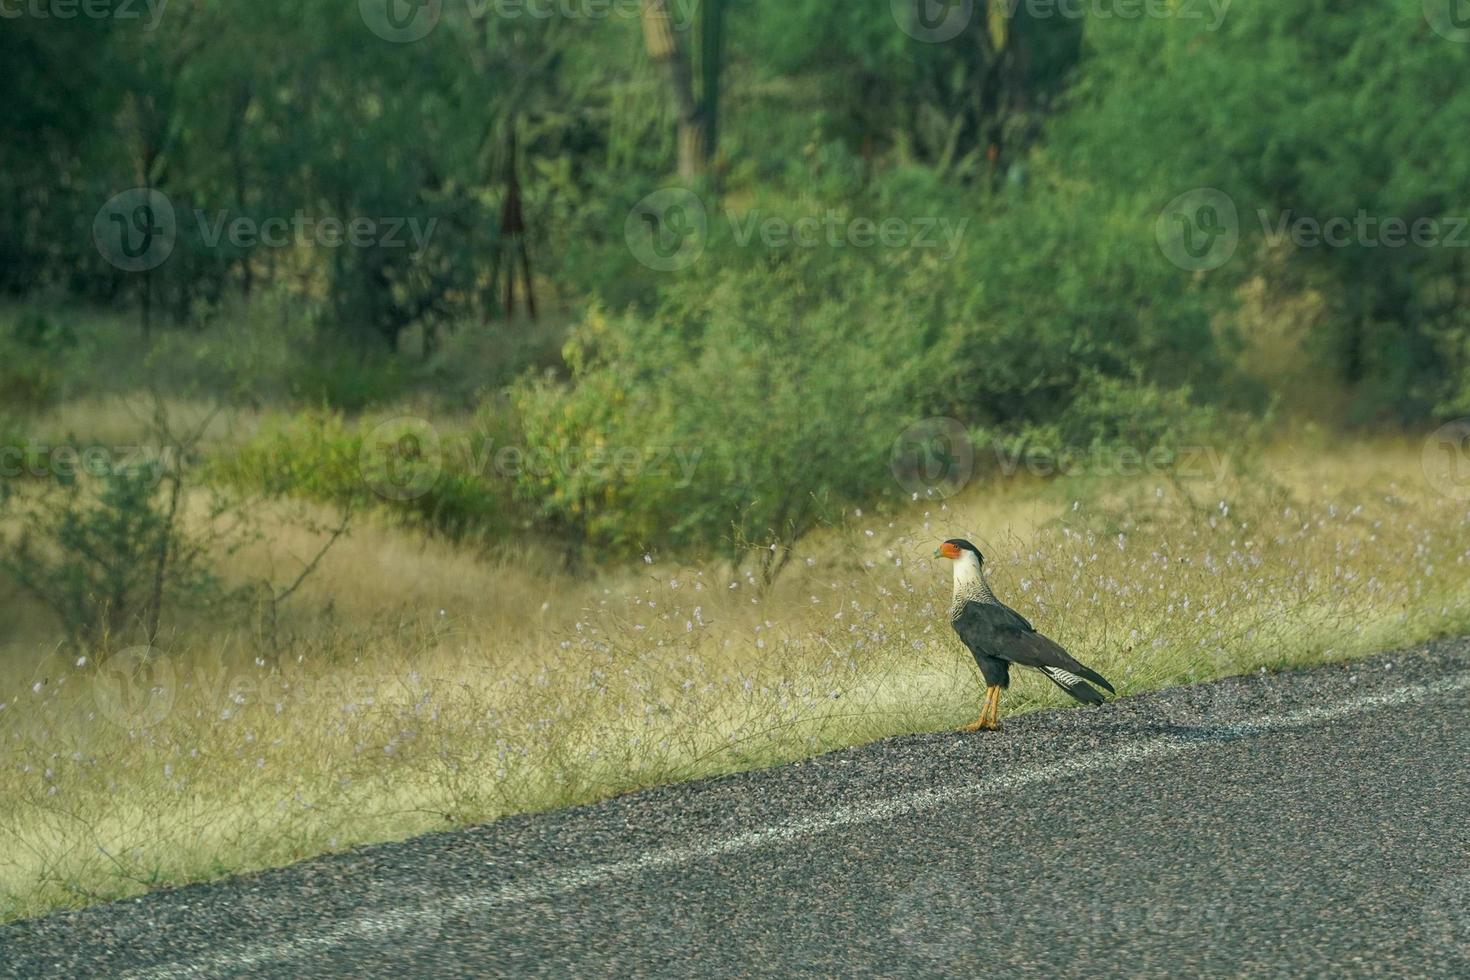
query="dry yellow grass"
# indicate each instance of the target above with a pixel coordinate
(428, 688)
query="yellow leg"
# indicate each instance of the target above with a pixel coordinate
(989, 719)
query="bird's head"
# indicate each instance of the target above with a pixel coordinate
(957, 549)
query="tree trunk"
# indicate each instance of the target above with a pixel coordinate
(711, 66)
(513, 233)
(664, 48)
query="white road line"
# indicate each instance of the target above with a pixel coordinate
(379, 924)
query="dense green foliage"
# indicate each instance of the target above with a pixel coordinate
(762, 383)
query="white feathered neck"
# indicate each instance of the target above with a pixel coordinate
(969, 583)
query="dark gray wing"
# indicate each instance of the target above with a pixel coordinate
(991, 629)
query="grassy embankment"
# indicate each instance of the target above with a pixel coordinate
(429, 687)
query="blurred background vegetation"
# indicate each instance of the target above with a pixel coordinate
(523, 143)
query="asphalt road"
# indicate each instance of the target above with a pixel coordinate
(1304, 824)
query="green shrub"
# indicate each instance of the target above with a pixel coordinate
(439, 479)
(44, 334)
(104, 553)
(27, 384)
(341, 379)
(762, 396)
(33, 353)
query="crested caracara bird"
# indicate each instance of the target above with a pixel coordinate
(999, 636)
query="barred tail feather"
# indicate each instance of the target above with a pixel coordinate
(1073, 685)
